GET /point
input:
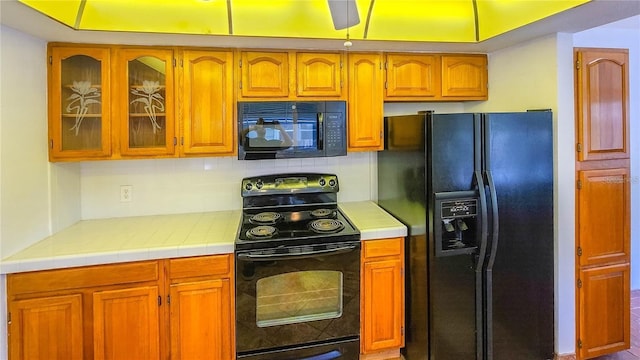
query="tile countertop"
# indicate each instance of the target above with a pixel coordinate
(103, 241)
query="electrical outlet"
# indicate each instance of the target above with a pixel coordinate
(126, 193)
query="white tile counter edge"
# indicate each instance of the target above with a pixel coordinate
(371, 220)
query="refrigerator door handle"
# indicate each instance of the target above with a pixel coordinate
(491, 259)
(484, 231)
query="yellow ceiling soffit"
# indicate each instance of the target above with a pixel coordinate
(400, 20)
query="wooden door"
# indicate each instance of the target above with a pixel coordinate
(264, 74)
(145, 96)
(319, 74)
(603, 216)
(365, 110)
(412, 76)
(465, 76)
(201, 320)
(79, 103)
(46, 328)
(602, 107)
(208, 126)
(382, 286)
(126, 324)
(604, 298)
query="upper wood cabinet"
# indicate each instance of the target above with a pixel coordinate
(464, 77)
(365, 110)
(382, 288)
(412, 76)
(319, 74)
(602, 103)
(289, 75)
(79, 103)
(145, 93)
(207, 103)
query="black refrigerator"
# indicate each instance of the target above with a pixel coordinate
(476, 193)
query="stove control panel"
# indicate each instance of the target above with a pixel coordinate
(289, 184)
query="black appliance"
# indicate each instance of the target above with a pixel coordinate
(286, 129)
(476, 192)
(297, 271)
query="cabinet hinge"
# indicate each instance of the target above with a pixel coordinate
(168, 299)
(579, 147)
(175, 63)
(159, 300)
(50, 60)
(577, 64)
(182, 141)
(579, 184)
(181, 62)
(9, 318)
(579, 284)
(386, 84)
(402, 330)
(51, 143)
(240, 84)
(175, 141)
(579, 251)
(240, 63)
(579, 344)
(386, 66)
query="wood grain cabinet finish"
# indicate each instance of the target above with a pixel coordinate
(145, 99)
(602, 106)
(464, 77)
(319, 75)
(48, 327)
(79, 103)
(175, 308)
(264, 74)
(207, 103)
(412, 76)
(382, 299)
(365, 110)
(605, 311)
(603, 213)
(126, 324)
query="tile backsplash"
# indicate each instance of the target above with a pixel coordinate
(171, 186)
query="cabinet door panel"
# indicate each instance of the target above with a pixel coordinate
(79, 103)
(365, 102)
(319, 74)
(412, 76)
(604, 303)
(602, 104)
(464, 76)
(201, 320)
(265, 74)
(382, 313)
(126, 324)
(46, 328)
(146, 94)
(208, 121)
(603, 216)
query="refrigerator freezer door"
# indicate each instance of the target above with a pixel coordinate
(518, 159)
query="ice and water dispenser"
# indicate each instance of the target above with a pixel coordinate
(456, 222)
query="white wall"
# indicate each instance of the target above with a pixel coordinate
(24, 187)
(626, 39)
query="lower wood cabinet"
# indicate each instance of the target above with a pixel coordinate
(382, 296)
(175, 308)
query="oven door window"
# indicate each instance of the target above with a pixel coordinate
(298, 297)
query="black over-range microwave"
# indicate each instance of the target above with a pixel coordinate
(291, 129)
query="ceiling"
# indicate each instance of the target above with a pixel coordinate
(388, 20)
(431, 26)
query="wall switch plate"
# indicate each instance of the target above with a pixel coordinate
(126, 193)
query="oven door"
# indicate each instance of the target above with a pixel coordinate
(293, 296)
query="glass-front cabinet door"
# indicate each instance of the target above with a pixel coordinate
(146, 93)
(79, 103)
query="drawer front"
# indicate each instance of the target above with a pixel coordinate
(385, 247)
(214, 265)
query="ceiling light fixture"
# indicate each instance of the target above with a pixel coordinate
(344, 14)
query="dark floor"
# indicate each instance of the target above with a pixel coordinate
(634, 352)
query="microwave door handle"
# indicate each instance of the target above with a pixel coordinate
(294, 256)
(320, 123)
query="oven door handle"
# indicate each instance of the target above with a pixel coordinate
(301, 255)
